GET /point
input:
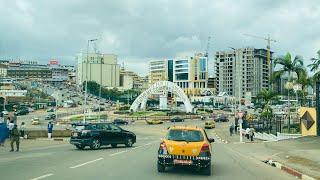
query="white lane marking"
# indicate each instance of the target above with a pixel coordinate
(41, 177)
(120, 152)
(141, 146)
(89, 162)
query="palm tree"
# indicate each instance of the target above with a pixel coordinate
(289, 65)
(305, 81)
(267, 96)
(315, 65)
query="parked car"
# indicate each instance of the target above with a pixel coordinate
(209, 124)
(120, 122)
(50, 117)
(50, 110)
(177, 119)
(222, 118)
(96, 135)
(154, 121)
(21, 112)
(35, 121)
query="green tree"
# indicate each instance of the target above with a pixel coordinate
(305, 81)
(289, 65)
(314, 66)
(266, 96)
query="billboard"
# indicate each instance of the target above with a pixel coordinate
(53, 62)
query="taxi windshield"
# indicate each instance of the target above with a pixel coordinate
(185, 135)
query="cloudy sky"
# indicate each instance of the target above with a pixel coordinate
(139, 31)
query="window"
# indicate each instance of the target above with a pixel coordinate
(185, 135)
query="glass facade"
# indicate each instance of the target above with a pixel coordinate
(170, 70)
(203, 64)
(182, 76)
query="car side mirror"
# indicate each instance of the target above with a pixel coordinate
(211, 140)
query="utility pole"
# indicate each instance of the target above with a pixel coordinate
(86, 81)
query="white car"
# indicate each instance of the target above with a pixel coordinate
(5, 112)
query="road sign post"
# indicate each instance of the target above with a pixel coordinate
(240, 121)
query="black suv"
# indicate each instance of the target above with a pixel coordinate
(96, 135)
(120, 122)
(177, 119)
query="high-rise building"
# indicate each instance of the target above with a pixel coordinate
(189, 73)
(98, 67)
(245, 67)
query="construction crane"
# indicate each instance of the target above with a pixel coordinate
(269, 40)
(208, 45)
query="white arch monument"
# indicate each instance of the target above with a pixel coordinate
(160, 87)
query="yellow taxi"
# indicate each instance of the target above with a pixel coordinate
(35, 121)
(185, 146)
(154, 121)
(209, 124)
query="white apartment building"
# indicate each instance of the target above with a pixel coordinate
(242, 71)
(98, 67)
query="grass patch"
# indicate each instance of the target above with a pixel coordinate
(90, 118)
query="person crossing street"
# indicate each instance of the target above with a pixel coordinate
(15, 138)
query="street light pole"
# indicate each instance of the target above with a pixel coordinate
(239, 95)
(86, 82)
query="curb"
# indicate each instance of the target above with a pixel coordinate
(289, 170)
(53, 139)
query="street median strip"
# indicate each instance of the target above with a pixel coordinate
(89, 162)
(41, 177)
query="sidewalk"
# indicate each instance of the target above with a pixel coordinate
(28, 144)
(301, 154)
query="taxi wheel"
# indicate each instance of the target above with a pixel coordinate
(161, 168)
(207, 170)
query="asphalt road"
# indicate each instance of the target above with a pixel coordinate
(63, 161)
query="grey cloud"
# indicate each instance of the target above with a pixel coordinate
(142, 30)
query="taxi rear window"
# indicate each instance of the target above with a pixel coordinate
(185, 135)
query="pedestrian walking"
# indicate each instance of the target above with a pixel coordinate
(231, 128)
(248, 133)
(10, 126)
(15, 138)
(50, 128)
(23, 130)
(251, 133)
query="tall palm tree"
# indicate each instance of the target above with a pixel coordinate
(289, 65)
(267, 96)
(305, 81)
(315, 63)
(314, 66)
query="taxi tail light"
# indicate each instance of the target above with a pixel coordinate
(163, 146)
(205, 148)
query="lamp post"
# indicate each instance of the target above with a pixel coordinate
(86, 81)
